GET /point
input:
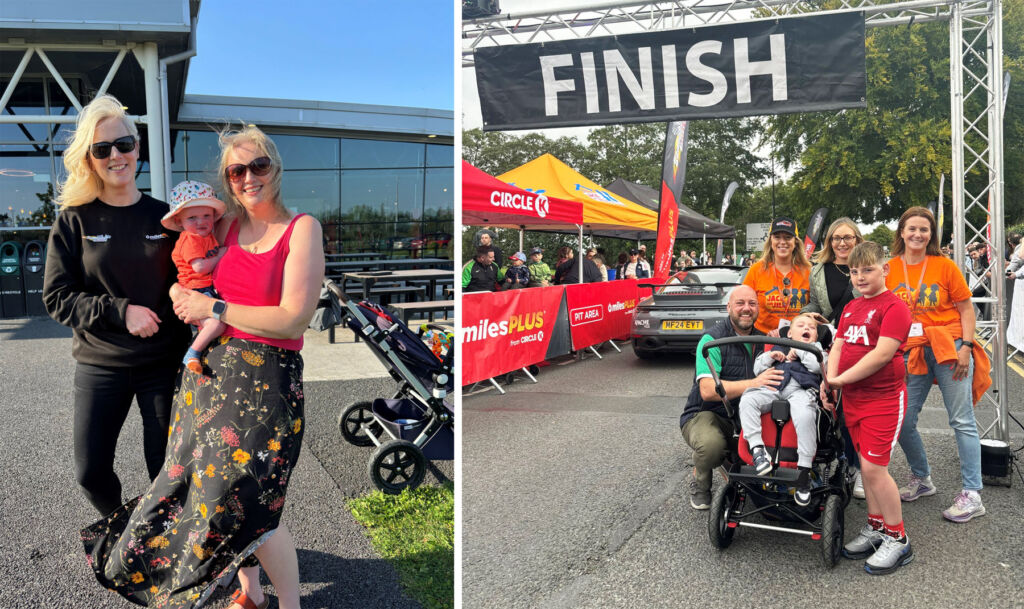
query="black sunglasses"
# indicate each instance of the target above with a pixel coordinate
(258, 167)
(101, 150)
(785, 283)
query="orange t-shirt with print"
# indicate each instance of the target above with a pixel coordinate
(933, 297)
(779, 295)
(188, 248)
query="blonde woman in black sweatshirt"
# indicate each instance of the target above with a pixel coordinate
(108, 272)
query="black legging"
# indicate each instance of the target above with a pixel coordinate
(103, 397)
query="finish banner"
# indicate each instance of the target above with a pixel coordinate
(796, 64)
(601, 311)
(505, 331)
(673, 177)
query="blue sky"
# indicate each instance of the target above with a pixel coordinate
(398, 53)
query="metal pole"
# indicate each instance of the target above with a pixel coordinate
(956, 122)
(155, 129)
(580, 280)
(996, 176)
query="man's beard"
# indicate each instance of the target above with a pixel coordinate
(743, 323)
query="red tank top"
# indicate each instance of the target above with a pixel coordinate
(256, 280)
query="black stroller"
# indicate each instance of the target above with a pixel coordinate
(746, 494)
(416, 423)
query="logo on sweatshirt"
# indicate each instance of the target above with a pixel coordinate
(156, 237)
(97, 238)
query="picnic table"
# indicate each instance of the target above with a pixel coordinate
(369, 278)
(354, 256)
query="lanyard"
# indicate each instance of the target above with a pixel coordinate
(775, 269)
(906, 275)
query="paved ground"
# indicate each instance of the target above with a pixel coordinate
(41, 509)
(574, 495)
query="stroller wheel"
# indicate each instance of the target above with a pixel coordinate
(397, 465)
(351, 420)
(723, 503)
(509, 378)
(832, 531)
(534, 369)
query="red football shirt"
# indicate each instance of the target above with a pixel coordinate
(864, 321)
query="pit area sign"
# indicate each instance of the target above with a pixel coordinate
(757, 232)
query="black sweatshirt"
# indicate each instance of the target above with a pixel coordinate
(99, 260)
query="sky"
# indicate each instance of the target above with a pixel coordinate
(397, 53)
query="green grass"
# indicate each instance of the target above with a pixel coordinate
(415, 532)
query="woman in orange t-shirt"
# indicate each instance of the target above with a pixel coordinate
(939, 350)
(781, 278)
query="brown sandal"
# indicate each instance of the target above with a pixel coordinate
(240, 599)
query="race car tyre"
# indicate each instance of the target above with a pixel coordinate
(397, 465)
(351, 421)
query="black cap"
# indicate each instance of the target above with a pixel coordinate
(536, 250)
(634, 251)
(784, 225)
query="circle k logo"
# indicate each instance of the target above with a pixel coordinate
(542, 206)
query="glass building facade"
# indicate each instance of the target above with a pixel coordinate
(392, 195)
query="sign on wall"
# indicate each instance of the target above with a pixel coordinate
(800, 64)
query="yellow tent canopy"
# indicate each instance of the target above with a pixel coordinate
(602, 209)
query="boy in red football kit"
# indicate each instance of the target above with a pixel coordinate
(866, 361)
(195, 210)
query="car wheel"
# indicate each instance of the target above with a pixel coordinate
(642, 353)
(351, 421)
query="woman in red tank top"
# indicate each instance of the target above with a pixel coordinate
(237, 429)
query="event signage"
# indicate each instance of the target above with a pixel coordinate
(673, 177)
(505, 331)
(532, 203)
(797, 64)
(815, 228)
(757, 232)
(600, 311)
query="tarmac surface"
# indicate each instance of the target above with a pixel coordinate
(575, 495)
(42, 563)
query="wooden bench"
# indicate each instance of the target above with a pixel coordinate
(408, 309)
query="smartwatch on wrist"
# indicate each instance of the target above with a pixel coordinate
(218, 309)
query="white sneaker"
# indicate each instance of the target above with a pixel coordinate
(967, 505)
(864, 544)
(858, 485)
(889, 556)
(916, 488)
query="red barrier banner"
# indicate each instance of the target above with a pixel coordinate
(505, 331)
(601, 311)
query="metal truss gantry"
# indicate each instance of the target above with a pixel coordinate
(976, 110)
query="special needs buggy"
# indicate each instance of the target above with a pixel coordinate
(746, 495)
(415, 424)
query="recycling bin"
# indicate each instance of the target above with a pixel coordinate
(12, 299)
(33, 262)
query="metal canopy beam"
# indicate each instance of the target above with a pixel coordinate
(976, 109)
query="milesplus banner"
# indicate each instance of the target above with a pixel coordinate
(798, 64)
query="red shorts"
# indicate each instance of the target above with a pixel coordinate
(875, 426)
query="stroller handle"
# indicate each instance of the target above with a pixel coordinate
(335, 289)
(754, 340)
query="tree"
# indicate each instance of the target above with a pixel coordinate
(882, 235)
(873, 163)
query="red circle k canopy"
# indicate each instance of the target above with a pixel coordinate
(487, 200)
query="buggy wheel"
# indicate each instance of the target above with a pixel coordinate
(351, 420)
(397, 465)
(508, 378)
(722, 504)
(832, 531)
(534, 369)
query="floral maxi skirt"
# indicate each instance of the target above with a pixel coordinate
(235, 436)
